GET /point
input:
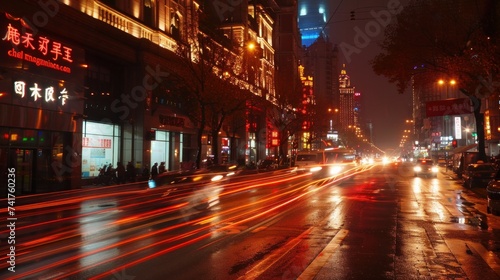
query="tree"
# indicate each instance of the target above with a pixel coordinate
(210, 85)
(454, 38)
(282, 114)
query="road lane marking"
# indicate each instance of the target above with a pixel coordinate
(313, 269)
(266, 263)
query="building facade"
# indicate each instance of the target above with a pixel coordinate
(347, 113)
(41, 106)
(320, 62)
(313, 18)
(441, 114)
(85, 84)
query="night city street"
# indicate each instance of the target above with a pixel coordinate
(252, 140)
(372, 222)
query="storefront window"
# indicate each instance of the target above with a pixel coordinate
(160, 149)
(38, 158)
(100, 147)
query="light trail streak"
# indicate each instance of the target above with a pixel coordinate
(249, 217)
(236, 215)
(140, 237)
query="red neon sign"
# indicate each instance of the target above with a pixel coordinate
(39, 50)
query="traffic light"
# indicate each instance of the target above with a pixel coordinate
(353, 17)
(454, 143)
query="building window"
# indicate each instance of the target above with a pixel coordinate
(100, 147)
(175, 25)
(148, 12)
(160, 149)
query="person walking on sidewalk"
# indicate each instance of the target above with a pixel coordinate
(120, 173)
(131, 174)
(154, 171)
(162, 168)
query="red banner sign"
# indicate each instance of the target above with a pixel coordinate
(457, 106)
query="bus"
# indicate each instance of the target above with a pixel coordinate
(329, 161)
(340, 155)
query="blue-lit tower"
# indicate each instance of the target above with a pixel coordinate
(313, 16)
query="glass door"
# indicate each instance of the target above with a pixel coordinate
(24, 170)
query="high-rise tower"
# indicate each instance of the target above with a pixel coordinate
(346, 92)
(313, 16)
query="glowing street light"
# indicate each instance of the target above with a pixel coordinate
(251, 46)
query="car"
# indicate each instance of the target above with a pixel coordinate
(305, 159)
(425, 167)
(268, 165)
(493, 196)
(478, 174)
(211, 173)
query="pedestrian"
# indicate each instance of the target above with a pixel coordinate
(131, 174)
(109, 175)
(145, 172)
(161, 169)
(154, 170)
(120, 173)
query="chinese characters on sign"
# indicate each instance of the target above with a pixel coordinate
(173, 121)
(458, 128)
(96, 143)
(47, 94)
(274, 138)
(448, 107)
(41, 51)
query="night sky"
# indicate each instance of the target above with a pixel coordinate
(381, 104)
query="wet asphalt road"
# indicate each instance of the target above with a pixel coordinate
(378, 222)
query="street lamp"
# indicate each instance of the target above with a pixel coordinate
(448, 84)
(251, 46)
(451, 82)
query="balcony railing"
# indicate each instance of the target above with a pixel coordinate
(132, 27)
(139, 30)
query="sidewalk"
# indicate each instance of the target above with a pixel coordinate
(480, 191)
(89, 183)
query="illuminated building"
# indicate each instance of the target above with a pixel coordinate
(320, 58)
(99, 91)
(288, 48)
(250, 26)
(346, 100)
(357, 109)
(308, 113)
(313, 16)
(320, 61)
(435, 122)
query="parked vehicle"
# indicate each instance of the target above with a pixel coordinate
(478, 174)
(425, 167)
(493, 195)
(268, 165)
(107, 176)
(461, 160)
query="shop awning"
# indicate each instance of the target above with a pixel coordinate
(462, 149)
